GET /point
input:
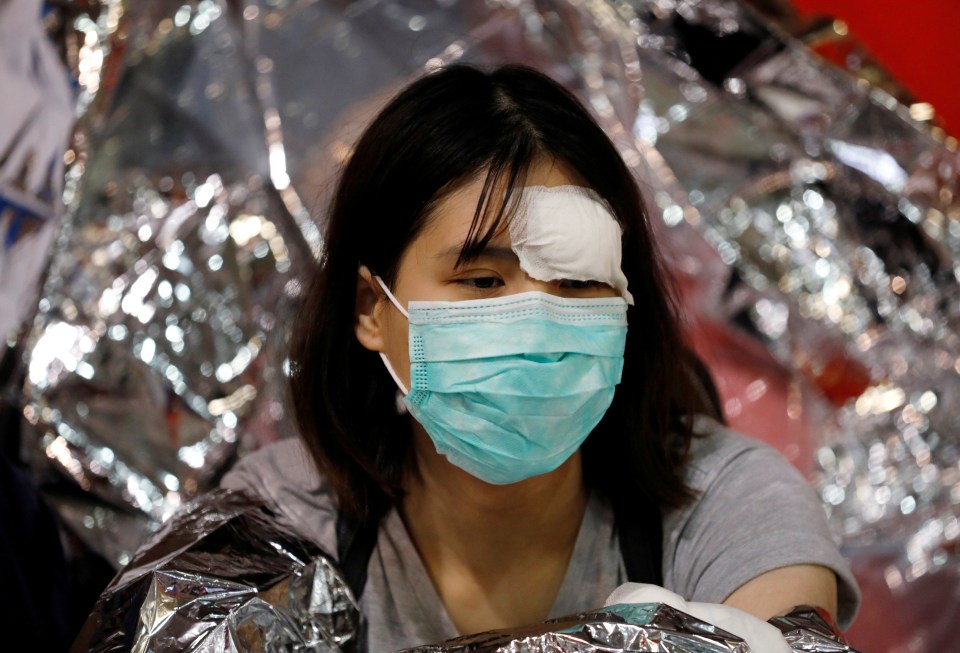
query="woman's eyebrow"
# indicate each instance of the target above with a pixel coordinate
(490, 251)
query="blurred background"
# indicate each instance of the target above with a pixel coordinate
(164, 172)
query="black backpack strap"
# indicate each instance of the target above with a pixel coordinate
(640, 532)
(355, 543)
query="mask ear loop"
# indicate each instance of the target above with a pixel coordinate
(393, 300)
(383, 357)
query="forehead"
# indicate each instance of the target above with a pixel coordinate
(449, 222)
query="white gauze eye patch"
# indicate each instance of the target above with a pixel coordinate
(567, 232)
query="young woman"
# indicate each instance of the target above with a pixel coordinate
(500, 421)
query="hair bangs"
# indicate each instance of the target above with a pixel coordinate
(506, 174)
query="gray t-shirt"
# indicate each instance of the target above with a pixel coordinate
(754, 513)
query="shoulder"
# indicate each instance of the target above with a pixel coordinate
(741, 484)
(718, 452)
(724, 463)
(754, 512)
(288, 457)
(283, 474)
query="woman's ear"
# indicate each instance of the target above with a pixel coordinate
(368, 324)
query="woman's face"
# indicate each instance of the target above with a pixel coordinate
(428, 270)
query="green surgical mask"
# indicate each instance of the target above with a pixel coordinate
(509, 388)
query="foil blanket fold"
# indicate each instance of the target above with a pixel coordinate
(642, 628)
(223, 577)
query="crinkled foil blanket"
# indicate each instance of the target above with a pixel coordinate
(222, 577)
(646, 628)
(812, 224)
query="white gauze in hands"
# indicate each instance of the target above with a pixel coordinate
(760, 636)
(567, 232)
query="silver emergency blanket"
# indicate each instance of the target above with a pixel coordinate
(646, 627)
(808, 630)
(812, 224)
(643, 628)
(222, 577)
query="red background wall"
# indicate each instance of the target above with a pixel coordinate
(917, 41)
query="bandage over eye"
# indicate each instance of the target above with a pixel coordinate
(567, 232)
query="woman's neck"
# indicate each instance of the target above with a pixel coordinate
(497, 554)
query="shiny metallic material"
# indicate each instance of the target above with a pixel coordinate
(809, 630)
(222, 578)
(641, 628)
(157, 338)
(644, 627)
(838, 219)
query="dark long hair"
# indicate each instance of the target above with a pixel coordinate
(436, 135)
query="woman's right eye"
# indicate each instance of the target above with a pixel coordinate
(480, 283)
